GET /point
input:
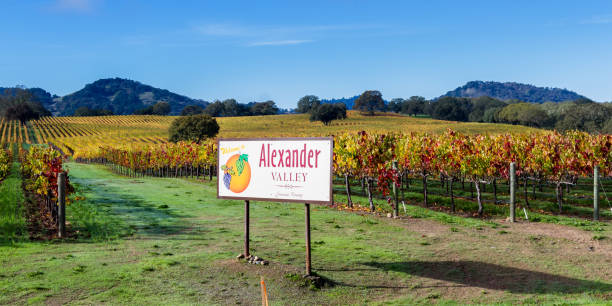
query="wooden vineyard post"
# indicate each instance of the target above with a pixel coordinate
(512, 192)
(307, 211)
(596, 193)
(395, 200)
(61, 202)
(246, 228)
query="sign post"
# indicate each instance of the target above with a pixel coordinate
(307, 212)
(297, 170)
(246, 228)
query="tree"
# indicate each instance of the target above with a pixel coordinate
(85, 111)
(230, 108)
(480, 105)
(607, 128)
(307, 103)
(193, 128)
(264, 108)
(215, 109)
(159, 108)
(491, 115)
(451, 108)
(395, 105)
(556, 109)
(192, 110)
(528, 114)
(588, 117)
(369, 102)
(414, 106)
(22, 112)
(327, 112)
(21, 106)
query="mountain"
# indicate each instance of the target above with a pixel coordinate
(513, 91)
(121, 96)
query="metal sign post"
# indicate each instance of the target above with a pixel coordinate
(307, 211)
(246, 228)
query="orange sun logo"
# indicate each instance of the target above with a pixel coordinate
(237, 173)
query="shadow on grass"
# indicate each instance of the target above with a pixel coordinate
(112, 214)
(494, 277)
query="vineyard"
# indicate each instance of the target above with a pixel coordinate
(13, 131)
(83, 133)
(541, 159)
(380, 161)
(5, 162)
(452, 189)
(72, 134)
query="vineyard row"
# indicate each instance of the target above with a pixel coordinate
(382, 161)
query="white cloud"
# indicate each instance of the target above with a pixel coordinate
(228, 29)
(599, 19)
(81, 6)
(280, 42)
(223, 30)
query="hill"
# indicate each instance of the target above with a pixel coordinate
(121, 96)
(513, 91)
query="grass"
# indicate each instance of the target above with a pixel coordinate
(12, 219)
(300, 125)
(130, 250)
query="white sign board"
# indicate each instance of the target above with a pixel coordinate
(276, 169)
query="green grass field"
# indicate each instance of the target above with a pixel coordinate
(12, 222)
(170, 241)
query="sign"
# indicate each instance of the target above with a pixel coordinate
(276, 169)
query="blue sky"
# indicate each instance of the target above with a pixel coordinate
(283, 50)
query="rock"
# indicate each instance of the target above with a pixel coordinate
(240, 256)
(389, 215)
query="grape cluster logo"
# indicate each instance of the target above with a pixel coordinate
(237, 173)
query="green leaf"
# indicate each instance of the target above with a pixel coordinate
(244, 157)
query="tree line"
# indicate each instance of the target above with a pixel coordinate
(581, 114)
(231, 108)
(226, 108)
